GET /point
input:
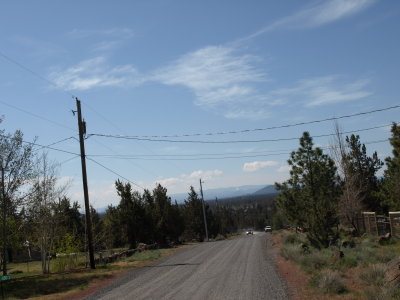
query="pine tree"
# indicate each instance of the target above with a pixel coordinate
(390, 187)
(364, 168)
(309, 197)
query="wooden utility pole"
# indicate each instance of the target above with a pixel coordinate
(82, 131)
(3, 196)
(204, 210)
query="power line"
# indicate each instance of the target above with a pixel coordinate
(43, 146)
(35, 115)
(115, 173)
(227, 142)
(180, 155)
(285, 152)
(69, 159)
(146, 137)
(60, 141)
(33, 72)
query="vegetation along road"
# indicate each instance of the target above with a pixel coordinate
(240, 268)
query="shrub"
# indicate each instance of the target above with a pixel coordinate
(219, 237)
(385, 255)
(316, 260)
(374, 275)
(294, 238)
(383, 293)
(66, 262)
(291, 252)
(330, 282)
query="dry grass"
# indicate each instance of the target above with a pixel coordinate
(360, 274)
(57, 286)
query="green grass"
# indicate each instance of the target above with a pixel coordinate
(148, 255)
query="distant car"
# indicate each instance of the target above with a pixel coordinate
(249, 231)
(268, 229)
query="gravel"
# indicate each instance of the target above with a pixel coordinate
(240, 268)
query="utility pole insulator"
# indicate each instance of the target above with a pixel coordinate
(82, 131)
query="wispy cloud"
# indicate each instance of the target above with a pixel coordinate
(258, 165)
(103, 39)
(121, 33)
(95, 73)
(321, 13)
(186, 180)
(322, 91)
(220, 78)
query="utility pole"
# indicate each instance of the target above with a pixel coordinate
(204, 210)
(3, 196)
(82, 131)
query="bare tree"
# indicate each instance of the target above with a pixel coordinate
(351, 199)
(43, 207)
(16, 171)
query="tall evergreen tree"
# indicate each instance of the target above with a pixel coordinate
(192, 211)
(364, 168)
(390, 186)
(309, 197)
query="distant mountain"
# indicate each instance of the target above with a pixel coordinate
(227, 192)
(269, 189)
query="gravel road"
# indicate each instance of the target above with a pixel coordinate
(241, 268)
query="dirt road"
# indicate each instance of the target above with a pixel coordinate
(240, 268)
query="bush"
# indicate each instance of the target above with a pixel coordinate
(383, 293)
(374, 275)
(330, 282)
(316, 260)
(66, 262)
(294, 238)
(220, 237)
(291, 252)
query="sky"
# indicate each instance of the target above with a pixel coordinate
(174, 91)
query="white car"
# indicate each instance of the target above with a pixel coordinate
(268, 229)
(249, 231)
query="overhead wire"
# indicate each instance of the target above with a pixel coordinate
(144, 137)
(115, 173)
(36, 115)
(43, 146)
(227, 142)
(284, 152)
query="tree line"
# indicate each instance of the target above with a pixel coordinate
(325, 191)
(38, 219)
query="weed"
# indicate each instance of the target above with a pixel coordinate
(374, 275)
(294, 238)
(291, 252)
(330, 282)
(383, 293)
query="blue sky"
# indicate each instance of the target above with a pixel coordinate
(165, 68)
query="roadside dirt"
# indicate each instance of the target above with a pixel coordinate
(296, 279)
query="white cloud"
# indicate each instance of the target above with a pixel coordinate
(284, 169)
(323, 91)
(220, 79)
(258, 165)
(185, 180)
(93, 73)
(321, 13)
